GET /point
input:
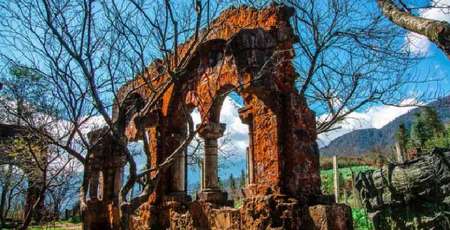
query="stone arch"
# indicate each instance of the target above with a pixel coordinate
(250, 51)
(128, 117)
(247, 67)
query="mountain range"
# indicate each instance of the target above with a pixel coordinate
(362, 141)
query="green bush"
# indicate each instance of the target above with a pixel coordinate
(75, 219)
(360, 219)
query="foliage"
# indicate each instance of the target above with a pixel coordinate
(441, 141)
(359, 215)
(75, 219)
(361, 220)
(232, 182)
(402, 136)
(242, 179)
(346, 161)
(427, 132)
(27, 90)
(346, 172)
(425, 128)
(57, 225)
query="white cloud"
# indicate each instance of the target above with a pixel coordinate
(93, 123)
(419, 44)
(374, 117)
(235, 139)
(236, 133)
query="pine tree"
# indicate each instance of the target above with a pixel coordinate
(419, 132)
(432, 121)
(25, 88)
(242, 179)
(221, 184)
(426, 128)
(232, 182)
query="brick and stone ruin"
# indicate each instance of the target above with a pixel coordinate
(410, 195)
(248, 51)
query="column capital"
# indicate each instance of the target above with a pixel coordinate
(211, 130)
(245, 113)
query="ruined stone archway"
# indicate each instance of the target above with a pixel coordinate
(249, 51)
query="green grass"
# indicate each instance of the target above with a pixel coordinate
(327, 177)
(347, 172)
(360, 219)
(58, 225)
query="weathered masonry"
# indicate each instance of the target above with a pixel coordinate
(248, 51)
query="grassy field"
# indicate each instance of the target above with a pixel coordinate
(346, 194)
(59, 225)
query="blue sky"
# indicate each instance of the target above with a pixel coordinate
(434, 66)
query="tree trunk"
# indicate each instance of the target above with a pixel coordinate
(423, 179)
(411, 195)
(436, 31)
(5, 190)
(29, 214)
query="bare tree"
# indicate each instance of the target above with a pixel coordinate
(85, 50)
(405, 15)
(12, 182)
(63, 188)
(348, 58)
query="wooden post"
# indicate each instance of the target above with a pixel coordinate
(336, 179)
(400, 143)
(356, 198)
(400, 152)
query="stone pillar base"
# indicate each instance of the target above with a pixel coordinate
(213, 196)
(262, 212)
(180, 197)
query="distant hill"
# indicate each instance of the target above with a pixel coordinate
(364, 140)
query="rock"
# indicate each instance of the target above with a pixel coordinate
(415, 193)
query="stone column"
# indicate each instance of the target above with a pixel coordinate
(178, 185)
(210, 192)
(118, 173)
(101, 185)
(250, 167)
(93, 185)
(246, 116)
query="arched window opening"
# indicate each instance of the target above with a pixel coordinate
(136, 149)
(233, 148)
(232, 153)
(194, 160)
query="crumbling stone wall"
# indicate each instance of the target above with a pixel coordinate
(104, 168)
(248, 51)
